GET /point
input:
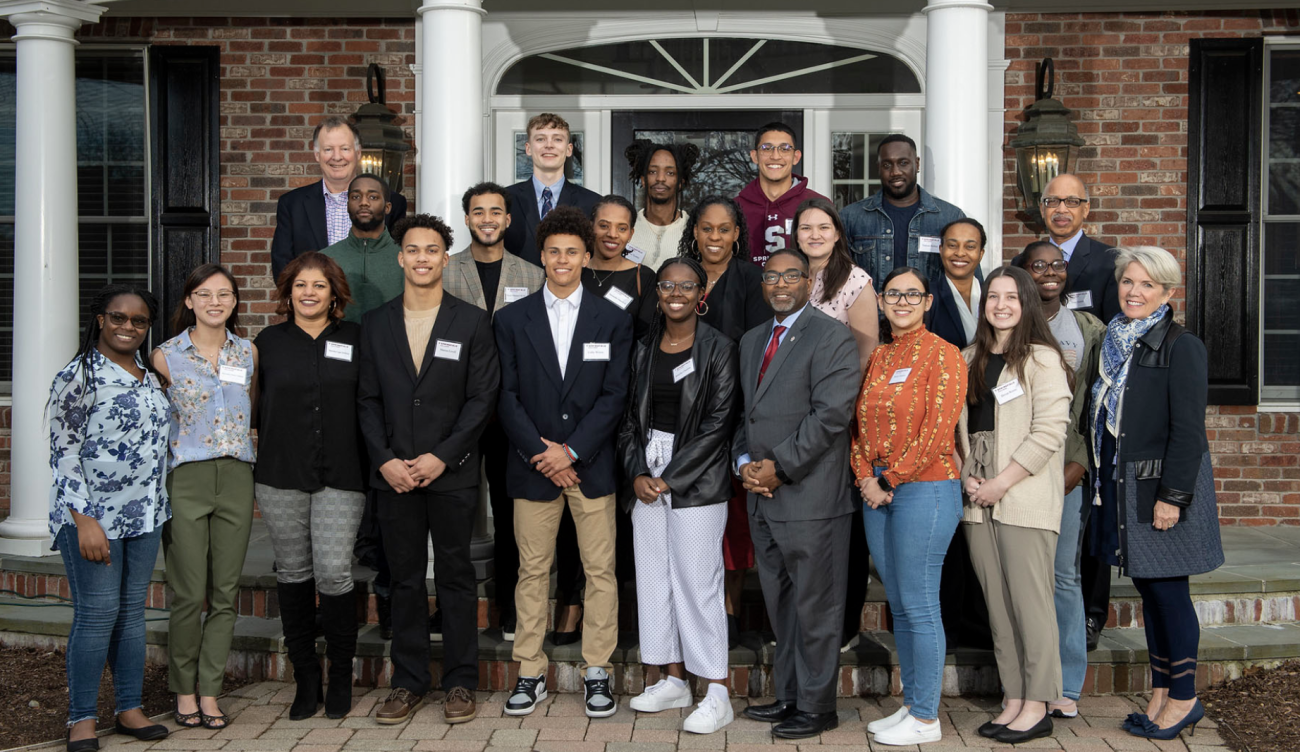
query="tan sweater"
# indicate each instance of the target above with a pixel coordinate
(1030, 430)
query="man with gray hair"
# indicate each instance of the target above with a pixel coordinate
(315, 216)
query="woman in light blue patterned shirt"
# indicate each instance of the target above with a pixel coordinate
(212, 374)
(109, 431)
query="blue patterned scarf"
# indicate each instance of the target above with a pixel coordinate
(1116, 352)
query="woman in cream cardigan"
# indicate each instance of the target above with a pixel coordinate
(1012, 437)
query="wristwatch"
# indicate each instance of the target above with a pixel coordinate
(885, 485)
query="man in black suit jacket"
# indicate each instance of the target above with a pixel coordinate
(564, 372)
(1090, 283)
(549, 145)
(429, 379)
(302, 220)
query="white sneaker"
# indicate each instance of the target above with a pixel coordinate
(909, 731)
(662, 695)
(711, 715)
(889, 721)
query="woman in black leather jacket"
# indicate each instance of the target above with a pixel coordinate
(682, 407)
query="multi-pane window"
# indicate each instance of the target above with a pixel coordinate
(1281, 263)
(854, 171)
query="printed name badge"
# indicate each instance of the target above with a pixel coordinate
(900, 375)
(516, 293)
(1007, 392)
(928, 244)
(618, 298)
(684, 370)
(634, 254)
(338, 351)
(1081, 299)
(446, 349)
(234, 374)
(595, 351)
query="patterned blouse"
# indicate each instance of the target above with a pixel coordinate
(108, 449)
(211, 408)
(840, 303)
(907, 414)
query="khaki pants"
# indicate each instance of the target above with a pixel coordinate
(1016, 569)
(536, 523)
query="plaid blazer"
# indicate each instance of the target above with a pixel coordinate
(461, 278)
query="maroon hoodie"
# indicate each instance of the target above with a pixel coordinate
(771, 224)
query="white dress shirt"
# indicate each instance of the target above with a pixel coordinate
(562, 313)
(970, 315)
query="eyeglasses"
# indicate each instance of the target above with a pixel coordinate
(117, 318)
(769, 148)
(225, 296)
(1051, 202)
(914, 297)
(790, 275)
(1040, 266)
(667, 286)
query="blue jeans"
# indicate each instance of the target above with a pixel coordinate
(1071, 620)
(107, 620)
(908, 539)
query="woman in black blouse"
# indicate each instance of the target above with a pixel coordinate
(609, 275)
(310, 482)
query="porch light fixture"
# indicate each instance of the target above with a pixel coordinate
(383, 144)
(1047, 143)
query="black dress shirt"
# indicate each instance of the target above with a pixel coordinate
(307, 432)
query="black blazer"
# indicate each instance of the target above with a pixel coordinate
(521, 235)
(943, 318)
(300, 223)
(444, 408)
(740, 307)
(700, 470)
(582, 409)
(1092, 268)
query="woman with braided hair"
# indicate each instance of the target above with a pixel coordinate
(664, 172)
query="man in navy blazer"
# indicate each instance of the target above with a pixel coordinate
(564, 372)
(549, 145)
(315, 216)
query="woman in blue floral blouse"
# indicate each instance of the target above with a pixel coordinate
(211, 374)
(109, 432)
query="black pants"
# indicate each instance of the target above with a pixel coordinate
(962, 607)
(407, 521)
(859, 570)
(1173, 634)
(1096, 582)
(493, 446)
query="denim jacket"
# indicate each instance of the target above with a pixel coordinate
(871, 234)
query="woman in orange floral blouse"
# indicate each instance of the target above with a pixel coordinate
(902, 457)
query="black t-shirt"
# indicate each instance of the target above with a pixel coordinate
(983, 415)
(901, 216)
(665, 393)
(489, 275)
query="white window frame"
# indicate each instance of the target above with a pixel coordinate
(1277, 398)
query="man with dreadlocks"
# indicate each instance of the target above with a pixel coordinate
(664, 173)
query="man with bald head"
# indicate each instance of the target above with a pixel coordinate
(1090, 277)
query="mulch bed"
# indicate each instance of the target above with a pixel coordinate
(34, 695)
(1260, 712)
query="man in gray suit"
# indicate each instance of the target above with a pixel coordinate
(800, 379)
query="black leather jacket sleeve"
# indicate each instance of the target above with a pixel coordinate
(697, 459)
(631, 434)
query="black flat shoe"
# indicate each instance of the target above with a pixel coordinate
(1093, 628)
(803, 725)
(771, 713)
(82, 745)
(989, 730)
(144, 733)
(566, 638)
(1038, 731)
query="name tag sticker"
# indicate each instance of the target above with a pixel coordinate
(900, 375)
(233, 375)
(1007, 392)
(516, 293)
(447, 350)
(928, 244)
(338, 351)
(595, 351)
(619, 298)
(1081, 299)
(684, 370)
(634, 254)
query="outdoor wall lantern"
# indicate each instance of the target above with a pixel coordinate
(383, 144)
(1047, 143)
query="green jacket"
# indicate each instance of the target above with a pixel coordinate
(370, 265)
(1077, 447)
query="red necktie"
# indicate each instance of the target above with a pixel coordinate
(770, 351)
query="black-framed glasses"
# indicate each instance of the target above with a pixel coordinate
(913, 297)
(117, 318)
(1074, 202)
(769, 148)
(667, 286)
(791, 276)
(1041, 266)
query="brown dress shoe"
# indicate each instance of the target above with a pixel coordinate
(459, 706)
(399, 706)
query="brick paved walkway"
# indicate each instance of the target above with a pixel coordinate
(260, 725)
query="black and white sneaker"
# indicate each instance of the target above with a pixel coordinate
(529, 691)
(600, 701)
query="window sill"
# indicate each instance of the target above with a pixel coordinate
(1264, 407)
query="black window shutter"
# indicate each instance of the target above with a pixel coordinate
(184, 96)
(1225, 86)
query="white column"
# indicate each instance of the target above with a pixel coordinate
(45, 250)
(955, 166)
(452, 142)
